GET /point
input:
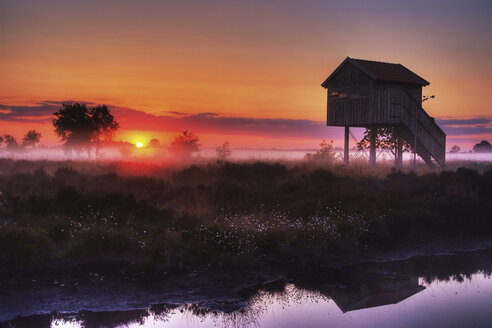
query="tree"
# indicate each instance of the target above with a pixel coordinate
(73, 125)
(223, 151)
(31, 138)
(104, 125)
(81, 127)
(386, 138)
(154, 143)
(11, 142)
(483, 147)
(184, 145)
(455, 149)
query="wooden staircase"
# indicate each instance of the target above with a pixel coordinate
(417, 127)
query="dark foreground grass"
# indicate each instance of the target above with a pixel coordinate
(229, 214)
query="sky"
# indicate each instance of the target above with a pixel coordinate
(248, 72)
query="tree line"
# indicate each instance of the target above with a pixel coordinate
(84, 129)
(29, 141)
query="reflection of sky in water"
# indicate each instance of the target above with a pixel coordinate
(440, 304)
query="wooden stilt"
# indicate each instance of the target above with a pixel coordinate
(415, 150)
(346, 146)
(398, 150)
(372, 153)
(396, 154)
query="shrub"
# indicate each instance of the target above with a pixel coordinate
(98, 241)
(65, 172)
(23, 247)
(325, 155)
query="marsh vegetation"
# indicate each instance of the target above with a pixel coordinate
(224, 214)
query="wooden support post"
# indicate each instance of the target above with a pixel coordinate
(346, 147)
(415, 140)
(399, 152)
(372, 153)
(396, 154)
(415, 150)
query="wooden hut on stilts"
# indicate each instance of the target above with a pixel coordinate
(371, 94)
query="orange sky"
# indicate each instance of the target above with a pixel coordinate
(255, 59)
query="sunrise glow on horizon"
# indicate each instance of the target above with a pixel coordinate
(244, 72)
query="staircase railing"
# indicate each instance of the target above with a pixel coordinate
(421, 125)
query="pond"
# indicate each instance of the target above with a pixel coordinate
(453, 290)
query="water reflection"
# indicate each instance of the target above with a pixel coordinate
(371, 296)
(447, 291)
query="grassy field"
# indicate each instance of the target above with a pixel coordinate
(151, 219)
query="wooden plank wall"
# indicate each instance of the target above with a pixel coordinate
(349, 97)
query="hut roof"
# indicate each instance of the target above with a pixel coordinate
(381, 71)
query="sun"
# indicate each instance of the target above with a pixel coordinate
(139, 145)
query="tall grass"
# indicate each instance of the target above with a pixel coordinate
(230, 213)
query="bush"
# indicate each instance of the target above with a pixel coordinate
(97, 242)
(65, 172)
(24, 247)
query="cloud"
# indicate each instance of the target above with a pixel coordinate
(37, 113)
(210, 122)
(171, 121)
(469, 126)
(217, 123)
(33, 113)
(174, 113)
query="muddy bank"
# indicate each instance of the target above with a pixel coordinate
(213, 290)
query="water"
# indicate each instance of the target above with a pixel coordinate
(425, 291)
(438, 304)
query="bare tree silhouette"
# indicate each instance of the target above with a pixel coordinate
(223, 151)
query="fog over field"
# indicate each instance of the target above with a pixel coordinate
(241, 154)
